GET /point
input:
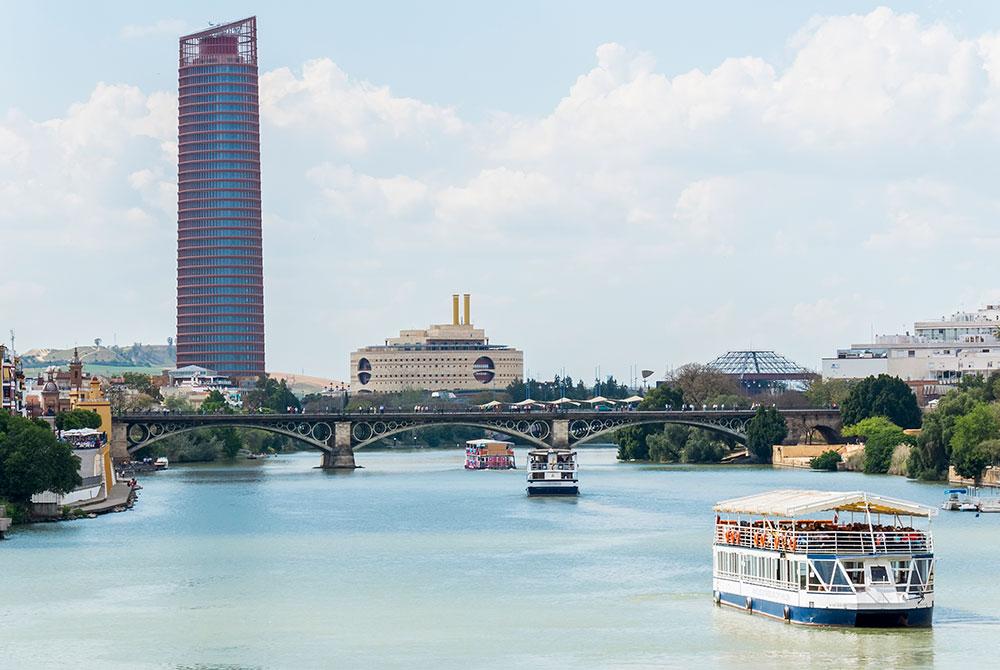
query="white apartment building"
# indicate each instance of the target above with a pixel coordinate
(938, 352)
(454, 357)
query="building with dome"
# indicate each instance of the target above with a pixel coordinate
(763, 371)
(454, 356)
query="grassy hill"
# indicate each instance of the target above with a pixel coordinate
(105, 360)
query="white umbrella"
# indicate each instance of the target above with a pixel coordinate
(635, 398)
(491, 404)
(527, 403)
(564, 401)
(600, 399)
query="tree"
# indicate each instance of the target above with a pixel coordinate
(829, 392)
(972, 431)
(884, 395)
(77, 418)
(142, 383)
(932, 453)
(632, 443)
(666, 446)
(32, 461)
(881, 437)
(215, 403)
(698, 383)
(828, 460)
(271, 394)
(766, 429)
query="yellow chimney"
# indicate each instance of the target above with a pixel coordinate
(454, 309)
(468, 317)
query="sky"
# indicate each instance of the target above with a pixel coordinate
(616, 184)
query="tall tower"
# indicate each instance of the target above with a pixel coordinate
(220, 283)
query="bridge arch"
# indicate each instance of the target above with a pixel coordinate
(168, 429)
(736, 430)
(389, 432)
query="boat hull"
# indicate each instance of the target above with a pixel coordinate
(916, 617)
(552, 490)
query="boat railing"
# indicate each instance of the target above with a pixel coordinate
(845, 542)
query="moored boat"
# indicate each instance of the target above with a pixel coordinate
(552, 472)
(825, 558)
(161, 463)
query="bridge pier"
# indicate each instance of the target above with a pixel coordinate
(560, 434)
(119, 442)
(342, 455)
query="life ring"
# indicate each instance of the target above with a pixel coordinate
(792, 543)
(779, 541)
(737, 537)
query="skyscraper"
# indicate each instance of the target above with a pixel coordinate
(220, 284)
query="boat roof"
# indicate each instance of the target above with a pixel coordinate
(480, 443)
(797, 502)
(558, 450)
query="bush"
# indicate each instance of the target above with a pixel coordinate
(828, 460)
(881, 437)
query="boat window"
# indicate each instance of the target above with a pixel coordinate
(879, 574)
(855, 571)
(902, 571)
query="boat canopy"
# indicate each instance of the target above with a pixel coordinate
(792, 503)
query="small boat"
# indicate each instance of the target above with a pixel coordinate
(161, 463)
(552, 472)
(954, 499)
(825, 558)
(489, 455)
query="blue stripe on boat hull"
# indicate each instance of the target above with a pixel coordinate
(818, 616)
(553, 490)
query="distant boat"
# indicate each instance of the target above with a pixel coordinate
(161, 463)
(489, 455)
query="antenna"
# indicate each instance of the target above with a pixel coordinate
(12, 351)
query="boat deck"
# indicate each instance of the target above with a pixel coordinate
(819, 537)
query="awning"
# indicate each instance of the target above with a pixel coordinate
(792, 503)
(491, 404)
(527, 403)
(564, 401)
(635, 398)
(600, 399)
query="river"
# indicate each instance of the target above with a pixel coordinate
(413, 562)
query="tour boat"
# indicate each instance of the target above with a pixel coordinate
(489, 455)
(552, 472)
(825, 558)
(161, 463)
(969, 500)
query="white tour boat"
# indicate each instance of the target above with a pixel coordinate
(161, 463)
(825, 558)
(552, 472)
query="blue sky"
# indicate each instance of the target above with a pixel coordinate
(643, 183)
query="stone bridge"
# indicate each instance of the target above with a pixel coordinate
(337, 436)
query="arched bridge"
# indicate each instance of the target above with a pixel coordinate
(338, 435)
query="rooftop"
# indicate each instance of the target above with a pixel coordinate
(790, 503)
(759, 365)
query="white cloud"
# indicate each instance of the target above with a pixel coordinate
(752, 201)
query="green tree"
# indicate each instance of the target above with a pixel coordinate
(666, 446)
(972, 431)
(271, 394)
(884, 395)
(142, 383)
(215, 403)
(881, 437)
(32, 461)
(701, 448)
(828, 460)
(77, 418)
(766, 429)
(632, 443)
(930, 457)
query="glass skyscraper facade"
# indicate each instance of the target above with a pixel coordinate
(220, 284)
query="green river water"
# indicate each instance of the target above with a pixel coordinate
(412, 562)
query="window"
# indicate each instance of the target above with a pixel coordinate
(879, 574)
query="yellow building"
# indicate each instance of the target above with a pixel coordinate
(454, 356)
